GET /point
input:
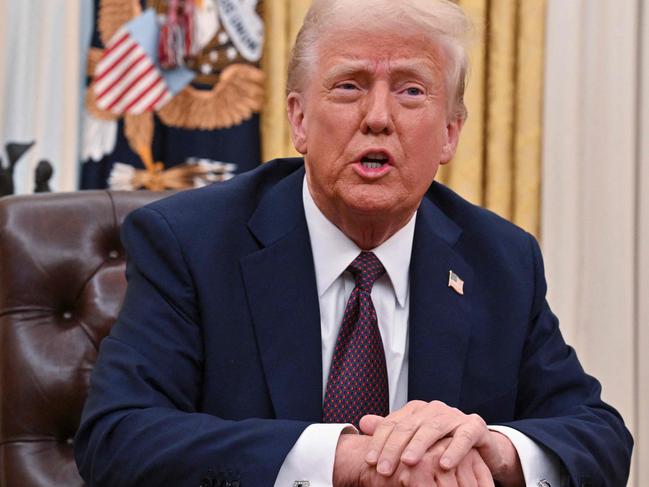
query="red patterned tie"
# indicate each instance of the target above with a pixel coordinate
(358, 378)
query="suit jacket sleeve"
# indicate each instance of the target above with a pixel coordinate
(570, 419)
(141, 424)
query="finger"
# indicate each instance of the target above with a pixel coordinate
(383, 428)
(379, 438)
(404, 478)
(482, 473)
(369, 422)
(464, 439)
(394, 446)
(446, 478)
(464, 473)
(425, 437)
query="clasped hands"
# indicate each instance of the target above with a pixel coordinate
(426, 444)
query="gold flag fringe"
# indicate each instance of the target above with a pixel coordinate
(113, 14)
(94, 56)
(238, 94)
(93, 109)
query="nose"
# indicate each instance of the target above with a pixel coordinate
(377, 117)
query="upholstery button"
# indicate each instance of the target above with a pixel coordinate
(67, 315)
(70, 441)
(113, 254)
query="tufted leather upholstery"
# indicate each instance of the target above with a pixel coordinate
(61, 286)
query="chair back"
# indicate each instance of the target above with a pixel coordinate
(61, 287)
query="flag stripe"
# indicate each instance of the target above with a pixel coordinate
(137, 91)
(127, 80)
(132, 86)
(162, 98)
(149, 97)
(131, 46)
(118, 72)
(131, 70)
(108, 59)
(162, 101)
(116, 40)
(144, 95)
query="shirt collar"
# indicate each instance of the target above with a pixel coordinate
(333, 251)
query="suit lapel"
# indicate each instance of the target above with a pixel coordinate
(439, 317)
(281, 289)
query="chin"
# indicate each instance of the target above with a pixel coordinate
(371, 208)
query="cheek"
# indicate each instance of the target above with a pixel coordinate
(337, 122)
(425, 137)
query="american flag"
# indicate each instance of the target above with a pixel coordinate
(127, 79)
(455, 282)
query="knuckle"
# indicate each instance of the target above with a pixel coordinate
(417, 441)
(386, 425)
(405, 427)
(390, 450)
(479, 422)
(436, 404)
(465, 435)
(430, 432)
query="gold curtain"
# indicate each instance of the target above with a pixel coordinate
(498, 164)
(283, 19)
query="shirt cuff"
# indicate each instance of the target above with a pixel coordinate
(311, 460)
(541, 467)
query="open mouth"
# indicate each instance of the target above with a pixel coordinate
(374, 160)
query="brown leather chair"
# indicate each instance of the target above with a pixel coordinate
(61, 286)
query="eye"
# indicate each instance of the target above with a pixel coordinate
(413, 91)
(347, 86)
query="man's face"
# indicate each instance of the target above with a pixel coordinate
(372, 124)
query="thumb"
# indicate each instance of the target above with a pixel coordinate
(369, 422)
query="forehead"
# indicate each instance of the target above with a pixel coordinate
(392, 51)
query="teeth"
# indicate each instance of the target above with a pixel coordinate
(372, 165)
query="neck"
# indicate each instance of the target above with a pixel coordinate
(368, 231)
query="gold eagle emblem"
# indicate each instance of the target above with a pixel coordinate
(234, 87)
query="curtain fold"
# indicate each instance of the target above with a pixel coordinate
(40, 79)
(498, 164)
(283, 20)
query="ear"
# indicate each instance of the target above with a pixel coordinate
(297, 121)
(453, 130)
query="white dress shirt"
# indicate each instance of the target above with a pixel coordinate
(312, 457)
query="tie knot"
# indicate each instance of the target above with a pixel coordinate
(366, 269)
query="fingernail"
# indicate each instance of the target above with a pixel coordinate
(408, 456)
(384, 468)
(445, 462)
(372, 456)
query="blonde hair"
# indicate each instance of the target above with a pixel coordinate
(442, 21)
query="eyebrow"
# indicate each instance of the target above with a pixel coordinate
(402, 68)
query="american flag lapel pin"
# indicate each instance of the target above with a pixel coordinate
(456, 283)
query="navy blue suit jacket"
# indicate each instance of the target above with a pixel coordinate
(214, 365)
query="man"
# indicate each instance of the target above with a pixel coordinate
(267, 315)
